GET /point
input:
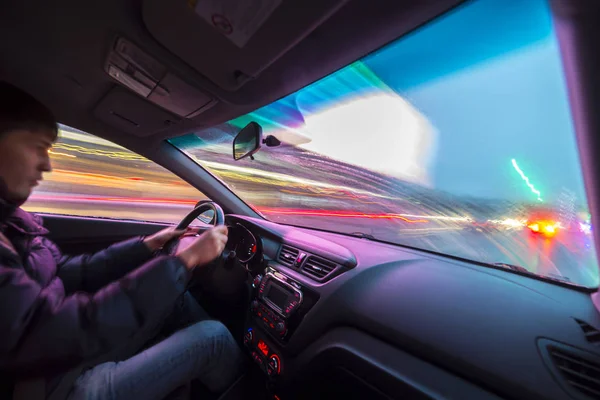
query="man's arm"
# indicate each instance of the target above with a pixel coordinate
(90, 272)
(42, 330)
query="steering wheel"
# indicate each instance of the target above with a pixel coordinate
(219, 277)
(202, 206)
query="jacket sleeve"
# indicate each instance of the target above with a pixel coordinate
(90, 272)
(42, 329)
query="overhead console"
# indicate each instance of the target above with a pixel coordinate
(139, 72)
(240, 38)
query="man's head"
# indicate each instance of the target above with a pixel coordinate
(27, 131)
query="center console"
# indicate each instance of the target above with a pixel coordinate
(278, 305)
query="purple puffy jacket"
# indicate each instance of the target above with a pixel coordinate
(59, 312)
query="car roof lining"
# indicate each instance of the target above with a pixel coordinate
(67, 43)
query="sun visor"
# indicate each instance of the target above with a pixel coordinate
(231, 42)
(132, 114)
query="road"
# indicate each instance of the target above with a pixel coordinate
(95, 178)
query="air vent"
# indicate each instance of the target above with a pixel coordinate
(579, 373)
(318, 267)
(287, 255)
(592, 334)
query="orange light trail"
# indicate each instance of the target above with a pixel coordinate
(96, 176)
(120, 155)
(115, 199)
(547, 228)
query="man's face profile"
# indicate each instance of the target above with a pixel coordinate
(23, 159)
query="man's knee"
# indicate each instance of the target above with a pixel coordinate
(212, 330)
(217, 336)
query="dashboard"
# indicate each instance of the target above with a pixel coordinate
(356, 318)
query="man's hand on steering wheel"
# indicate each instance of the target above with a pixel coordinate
(204, 248)
(157, 241)
(198, 250)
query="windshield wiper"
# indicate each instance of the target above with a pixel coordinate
(524, 270)
(362, 235)
(513, 267)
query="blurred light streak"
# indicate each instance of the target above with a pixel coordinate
(511, 222)
(526, 179)
(54, 153)
(77, 176)
(252, 174)
(86, 138)
(585, 228)
(341, 214)
(400, 142)
(121, 155)
(439, 217)
(84, 199)
(331, 196)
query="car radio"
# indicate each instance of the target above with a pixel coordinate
(279, 295)
(277, 299)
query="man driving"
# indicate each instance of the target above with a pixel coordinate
(80, 327)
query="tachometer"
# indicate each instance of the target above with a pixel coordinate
(246, 246)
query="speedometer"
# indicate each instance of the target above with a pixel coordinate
(246, 246)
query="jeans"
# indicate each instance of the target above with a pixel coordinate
(203, 350)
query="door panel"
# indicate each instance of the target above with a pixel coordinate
(76, 235)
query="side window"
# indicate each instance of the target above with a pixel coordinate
(93, 177)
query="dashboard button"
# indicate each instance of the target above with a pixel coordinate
(280, 328)
(273, 365)
(257, 280)
(248, 337)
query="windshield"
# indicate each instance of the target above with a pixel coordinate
(456, 139)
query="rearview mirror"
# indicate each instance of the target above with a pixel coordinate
(248, 141)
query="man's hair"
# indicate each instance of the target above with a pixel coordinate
(20, 110)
